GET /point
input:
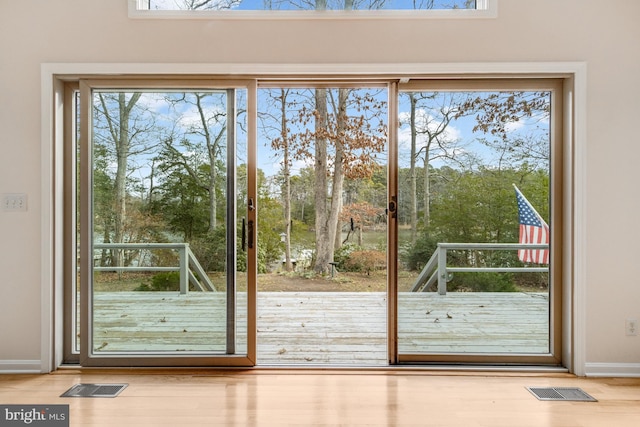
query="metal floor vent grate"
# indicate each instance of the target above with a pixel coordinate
(573, 394)
(94, 390)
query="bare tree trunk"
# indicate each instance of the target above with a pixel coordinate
(120, 136)
(324, 245)
(336, 199)
(286, 171)
(122, 154)
(212, 148)
(412, 170)
(338, 174)
(213, 202)
(427, 197)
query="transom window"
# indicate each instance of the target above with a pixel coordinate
(271, 8)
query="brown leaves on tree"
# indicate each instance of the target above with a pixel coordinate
(496, 110)
(363, 214)
(357, 130)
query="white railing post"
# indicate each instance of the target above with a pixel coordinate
(184, 269)
(442, 270)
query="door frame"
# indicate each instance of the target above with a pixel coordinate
(556, 178)
(54, 76)
(87, 354)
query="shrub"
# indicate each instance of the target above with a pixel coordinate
(169, 281)
(342, 254)
(366, 261)
(211, 249)
(482, 282)
(417, 255)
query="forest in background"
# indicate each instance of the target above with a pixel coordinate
(160, 168)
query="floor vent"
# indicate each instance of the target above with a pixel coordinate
(94, 390)
(573, 394)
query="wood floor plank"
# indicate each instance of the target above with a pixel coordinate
(303, 397)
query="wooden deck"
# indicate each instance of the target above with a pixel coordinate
(319, 328)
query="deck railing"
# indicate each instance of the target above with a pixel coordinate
(189, 267)
(436, 268)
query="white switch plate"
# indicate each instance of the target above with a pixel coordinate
(631, 327)
(14, 202)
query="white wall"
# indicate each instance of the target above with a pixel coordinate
(604, 35)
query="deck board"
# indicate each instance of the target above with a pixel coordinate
(324, 327)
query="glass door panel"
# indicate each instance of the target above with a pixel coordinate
(165, 176)
(322, 185)
(475, 219)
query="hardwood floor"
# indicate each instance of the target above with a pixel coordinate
(390, 397)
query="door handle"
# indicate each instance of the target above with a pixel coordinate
(393, 207)
(251, 207)
(244, 235)
(250, 226)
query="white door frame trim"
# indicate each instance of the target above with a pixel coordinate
(53, 74)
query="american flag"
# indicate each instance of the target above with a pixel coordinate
(533, 229)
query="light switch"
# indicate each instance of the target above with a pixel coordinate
(14, 202)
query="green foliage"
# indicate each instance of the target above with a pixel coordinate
(169, 281)
(415, 257)
(480, 205)
(270, 225)
(342, 254)
(531, 281)
(184, 205)
(482, 282)
(210, 249)
(302, 201)
(264, 259)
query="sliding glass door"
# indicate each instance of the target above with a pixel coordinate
(479, 219)
(277, 222)
(164, 203)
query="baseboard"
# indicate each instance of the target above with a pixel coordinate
(631, 370)
(20, 367)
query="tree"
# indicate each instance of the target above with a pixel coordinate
(122, 130)
(479, 206)
(204, 130)
(358, 216)
(182, 198)
(337, 133)
(325, 234)
(281, 142)
(348, 133)
(429, 117)
(498, 113)
(302, 186)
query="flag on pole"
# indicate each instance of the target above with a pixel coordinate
(533, 229)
